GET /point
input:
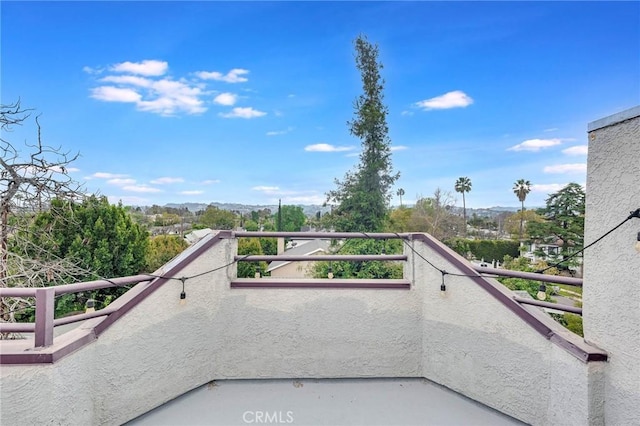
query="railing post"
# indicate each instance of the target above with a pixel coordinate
(45, 308)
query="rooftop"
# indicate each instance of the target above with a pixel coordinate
(323, 402)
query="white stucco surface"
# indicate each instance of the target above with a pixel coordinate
(611, 294)
(329, 402)
(467, 341)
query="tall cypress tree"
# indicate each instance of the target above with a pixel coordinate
(364, 194)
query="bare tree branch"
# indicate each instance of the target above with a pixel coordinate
(28, 183)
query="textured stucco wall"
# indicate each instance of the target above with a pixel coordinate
(611, 294)
(466, 341)
(478, 347)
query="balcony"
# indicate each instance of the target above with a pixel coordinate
(473, 348)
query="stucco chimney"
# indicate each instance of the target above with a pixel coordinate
(280, 245)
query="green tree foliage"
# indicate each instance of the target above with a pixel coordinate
(463, 184)
(166, 219)
(521, 188)
(488, 250)
(100, 237)
(434, 215)
(293, 218)
(363, 195)
(527, 217)
(162, 249)
(563, 222)
(367, 269)
(249, 269)
(216, 218)
(399, 220)
(269, 246)
(522, 264)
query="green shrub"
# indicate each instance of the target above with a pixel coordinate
(488, 250)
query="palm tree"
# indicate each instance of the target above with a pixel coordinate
(463, 184)
(400, 193)
(521, 188)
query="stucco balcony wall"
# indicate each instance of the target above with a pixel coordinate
(467, 341)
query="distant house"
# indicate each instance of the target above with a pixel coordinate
(550, 253)
(287, 269)
(536, 252)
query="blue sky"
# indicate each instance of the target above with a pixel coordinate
(248, 102)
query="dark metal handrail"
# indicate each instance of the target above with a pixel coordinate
(529, 276)
(320, 257)
(45, 306)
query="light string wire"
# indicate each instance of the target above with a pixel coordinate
(633, 214)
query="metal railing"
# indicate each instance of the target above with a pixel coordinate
(45, 306)
(45, 297)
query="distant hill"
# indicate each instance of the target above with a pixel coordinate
(312, 209)
(309, 210)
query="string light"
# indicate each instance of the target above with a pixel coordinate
(183, 294)
(638, 243)
(443, 287)
(542, 292)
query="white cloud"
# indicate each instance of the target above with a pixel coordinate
(576, 150)
(548, 187)
(455, 99)
(398, 148)
(406, 113)
(280, 132)
(166, 180)
(163, 96)
(210, 181)
(121, 181)
(233, 76)
(194, 192)
(171, 97)
(266, 189)
(106, 175)
(304, 199)
(567, 168)
(133, 80)
(140, 188)
(146, 67)
(226, 99)
(325, 147)
(90, 70)
(535, 145)
(243, 112)
(553, 129)
(60, 169)
(115, 94)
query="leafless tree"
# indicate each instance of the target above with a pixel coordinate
(29, 179)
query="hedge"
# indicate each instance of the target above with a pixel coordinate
(488, 250)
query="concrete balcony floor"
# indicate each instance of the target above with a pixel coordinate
(323, 402)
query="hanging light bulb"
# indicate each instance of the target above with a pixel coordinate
(330, 273)
(183, 294)
(443, 287)
(638, 243)
(542, 292)
(257, 274)
(90, 306)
